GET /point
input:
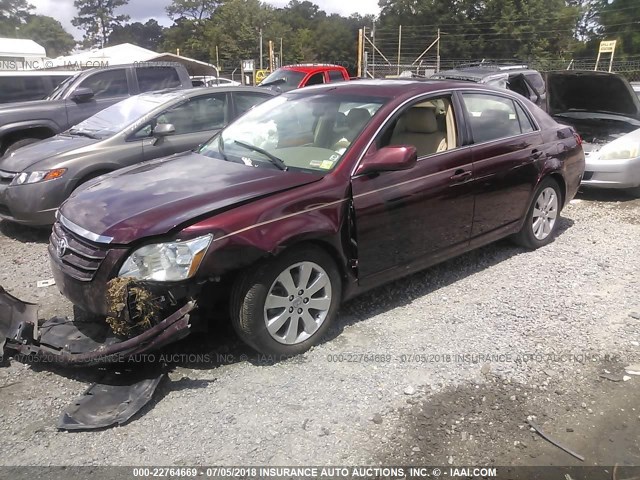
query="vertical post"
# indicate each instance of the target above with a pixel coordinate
(438, 52)
(270, 55)
(217, 59)
(281, 59)
(178, 51)
(399, 45)
(360, 45)
(597, 61)
(260, 49)
(373, 50)
(613, 52)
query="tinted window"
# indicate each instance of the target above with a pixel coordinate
(491, 117)
(316, 79)
(198, 114)
(110, 83)
(335, 76)
(536, 82)
(247, 100)
(284, 79)
(525, 123)
(157, 78)
(16, 88)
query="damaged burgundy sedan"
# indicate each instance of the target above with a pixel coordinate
(308, 200)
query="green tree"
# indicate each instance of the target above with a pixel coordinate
(13, 14)
(620, 20)
(148, 35)
(196, 10)
(98, 19)
(49, 33)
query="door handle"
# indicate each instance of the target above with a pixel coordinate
(460, 175)
(536, 154)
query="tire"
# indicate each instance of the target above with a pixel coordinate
(288, 333)
(541, 221)
(19, 144)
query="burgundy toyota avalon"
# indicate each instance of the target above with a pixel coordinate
(305, 201)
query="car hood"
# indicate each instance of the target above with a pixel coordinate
(45, 150)
(588, 91)
(154, 197)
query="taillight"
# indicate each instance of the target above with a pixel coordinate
(578, 138)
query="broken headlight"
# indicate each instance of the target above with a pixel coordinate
(166, 262)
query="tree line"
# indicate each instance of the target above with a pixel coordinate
(227, 31)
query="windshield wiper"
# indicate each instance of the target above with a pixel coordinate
(83, 133)
(275, 160)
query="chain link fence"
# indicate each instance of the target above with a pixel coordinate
(630, 69)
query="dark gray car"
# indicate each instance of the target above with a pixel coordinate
(36, 179)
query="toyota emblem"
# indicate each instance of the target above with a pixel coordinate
(62, 246)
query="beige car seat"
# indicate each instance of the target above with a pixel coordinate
(419, 127)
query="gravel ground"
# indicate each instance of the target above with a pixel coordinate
(443, 367)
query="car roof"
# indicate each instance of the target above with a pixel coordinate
(170, 93)
(311, 67)
(395, 87)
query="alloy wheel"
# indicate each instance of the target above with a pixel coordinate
(545, 213)
(297, 303)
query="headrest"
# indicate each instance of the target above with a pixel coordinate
(357, 117)
(421, 120)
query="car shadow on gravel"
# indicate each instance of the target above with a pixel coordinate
(405, 291)
(23, 233)
(607, 195)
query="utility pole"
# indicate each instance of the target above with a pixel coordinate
(260, 49)
(271, 55)
(438, 53)
(399, 46)
(281, 59)
(217, 59)
(360, 46)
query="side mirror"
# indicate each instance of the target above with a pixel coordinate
(389, 159)
(164, 130)
(82, 94)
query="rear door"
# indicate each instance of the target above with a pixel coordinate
(195, 121)
(108, 86)
(506, 146)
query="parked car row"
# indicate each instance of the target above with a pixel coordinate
(306, 200)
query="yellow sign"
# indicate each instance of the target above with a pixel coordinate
(607, 46)
(261, 75)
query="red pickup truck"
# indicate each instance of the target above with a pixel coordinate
(290, 77)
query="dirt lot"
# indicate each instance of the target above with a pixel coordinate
(440, 368)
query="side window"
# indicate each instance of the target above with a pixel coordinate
(525, 123)
(110, 83)
(335, 76)
(15, 89)
(316, 79)
(198, 114)
(157, 78)
(536, 82)
(491, 117)
(245, 101)
(429, 125)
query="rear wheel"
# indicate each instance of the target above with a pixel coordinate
(286, 305)
(541, 222)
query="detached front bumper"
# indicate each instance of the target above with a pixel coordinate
(70, 342)
(611, 173)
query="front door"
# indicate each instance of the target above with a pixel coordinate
(417, 214)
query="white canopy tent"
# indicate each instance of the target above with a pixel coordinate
(19, 53)
(129, 53)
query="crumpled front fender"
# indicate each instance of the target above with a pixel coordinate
(68, 342)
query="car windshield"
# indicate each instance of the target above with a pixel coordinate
(115, 118)
(62, 87)
(309, 132)
(284, 79)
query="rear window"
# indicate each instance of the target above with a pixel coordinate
(157, 78)
(335, 76)
(24, 88)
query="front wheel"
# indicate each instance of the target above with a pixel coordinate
(286, 305)
(541, 222)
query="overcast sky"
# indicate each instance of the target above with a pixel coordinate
(143, 10)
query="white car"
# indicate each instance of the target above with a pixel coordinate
(605, 110)
(222, 82)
